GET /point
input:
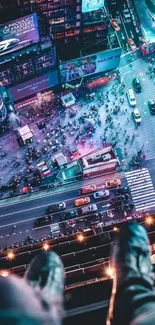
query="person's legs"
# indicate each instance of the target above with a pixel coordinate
(133, 297)
(19, 305)
(38, 298)
(45, 275)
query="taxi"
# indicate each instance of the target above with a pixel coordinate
(113, 183)
(132, 44)
(89, 189)
(82, 201)
(114, 24)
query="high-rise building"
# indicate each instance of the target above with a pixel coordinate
(71, 23)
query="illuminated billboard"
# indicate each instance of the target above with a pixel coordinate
(18, 34)
(88, 65)
(33, 86)
(91, 5)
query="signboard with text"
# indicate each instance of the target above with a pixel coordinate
(33, 86)
(18, 33)
(88, 65)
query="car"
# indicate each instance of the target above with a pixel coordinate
(93, 217)
(56, 207)
(136, 116)
(8, 44)
(44, 220)
(109, 214)
(122, 208)
(112, 183)
(122, 190)
(89, 209)
(70, 214)
(131, 97)
(89, 189)
(114, 24)
(82, 201)
(101, 194)
(132, 44)
(117, 203)
(151, 104)
(120, 198)
(137, 85)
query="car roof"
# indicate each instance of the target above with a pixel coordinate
(130, 91)
(136, 111)
(137, 80)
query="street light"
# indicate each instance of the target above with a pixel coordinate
(115, 229)
(80, 238)
(10, 255)
(149, 220)
(46, 247)
(110, 272)
(4, 273)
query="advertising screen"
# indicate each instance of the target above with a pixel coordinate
(33, 86)
(88, 65)
(91, 5)
(18, 34)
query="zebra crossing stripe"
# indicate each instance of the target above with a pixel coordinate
(139, 187)
(142, 189)
(146, 195)
(136, 171)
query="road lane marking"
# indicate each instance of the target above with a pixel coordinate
(41, 194)
(27, 220)
(142, 189)
(46, 205)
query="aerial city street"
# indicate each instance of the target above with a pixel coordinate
(77, 124)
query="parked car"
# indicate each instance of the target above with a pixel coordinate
(132, 44)
(44, 220)
(113, 183)
(131, 97)
(101, 194)
(82, 201)
(89, 209)
(56, 207)
(136, 116)
(137, 85)
(69, 214)
(151, 104)
(89, 189)
(114, 24)
(122, 190)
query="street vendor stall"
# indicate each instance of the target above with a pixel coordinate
(68, 100)
(24, 135)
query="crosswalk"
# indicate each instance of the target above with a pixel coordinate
(142, 189)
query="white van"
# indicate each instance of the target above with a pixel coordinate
(131, 97)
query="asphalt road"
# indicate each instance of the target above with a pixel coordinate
(24, 213)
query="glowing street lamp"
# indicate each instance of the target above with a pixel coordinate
(10, 255)
(115, 229)
(149, 220)
(4, 273)
(80, 238)
(110, 272)
(46, 247)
